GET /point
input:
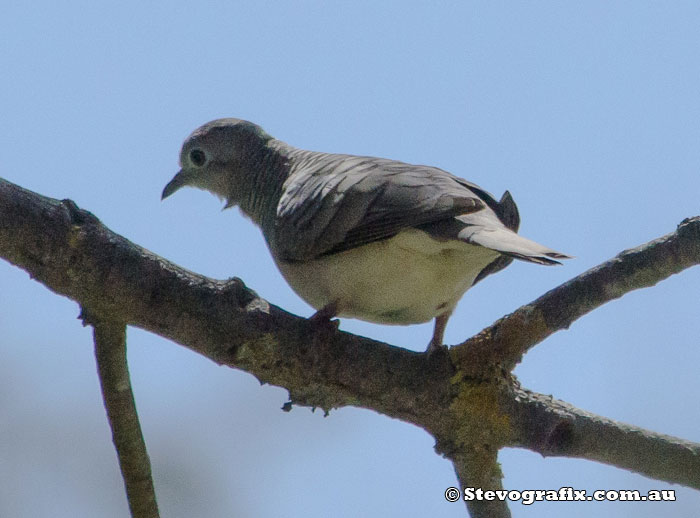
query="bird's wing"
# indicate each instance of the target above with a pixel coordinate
(332, 203)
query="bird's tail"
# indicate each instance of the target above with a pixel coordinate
(511, 244)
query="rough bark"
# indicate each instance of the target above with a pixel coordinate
(466, 398)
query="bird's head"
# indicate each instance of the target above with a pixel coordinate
(217, 157)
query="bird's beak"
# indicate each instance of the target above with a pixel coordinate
(179, 180)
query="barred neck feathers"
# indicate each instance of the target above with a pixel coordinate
(266, 168)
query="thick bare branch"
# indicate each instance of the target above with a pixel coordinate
(467, 399)
(110, 352)
(72, 253)
(504, 342)
(555, 428)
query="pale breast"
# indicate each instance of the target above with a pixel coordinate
(408, 279)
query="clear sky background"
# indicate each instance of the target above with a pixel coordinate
(588, 112)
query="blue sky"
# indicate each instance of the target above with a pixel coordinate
(587, 112)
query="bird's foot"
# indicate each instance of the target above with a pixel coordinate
(436, 344)
(323, 318)
(435, 349)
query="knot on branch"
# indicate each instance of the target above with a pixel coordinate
(235, 290)
(78, 216)
(689, 231)
(559, 439)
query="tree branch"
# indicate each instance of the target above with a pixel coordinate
(467, 398)
(69, 250)
(504, 342)
(110, 352)
(555, 428)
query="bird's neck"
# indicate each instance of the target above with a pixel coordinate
(267, 168)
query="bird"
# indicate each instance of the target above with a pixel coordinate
(374, 239)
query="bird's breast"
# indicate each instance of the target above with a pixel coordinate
(407, 279)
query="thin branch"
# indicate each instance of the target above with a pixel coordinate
(555, 428)
(504, 342)
(110, 352)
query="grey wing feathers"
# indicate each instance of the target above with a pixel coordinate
(333, 203)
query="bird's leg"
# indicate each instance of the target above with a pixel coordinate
(438, 333)
(323, 316)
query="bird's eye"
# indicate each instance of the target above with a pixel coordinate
(197, 157)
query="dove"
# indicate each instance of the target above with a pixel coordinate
(369, 238)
